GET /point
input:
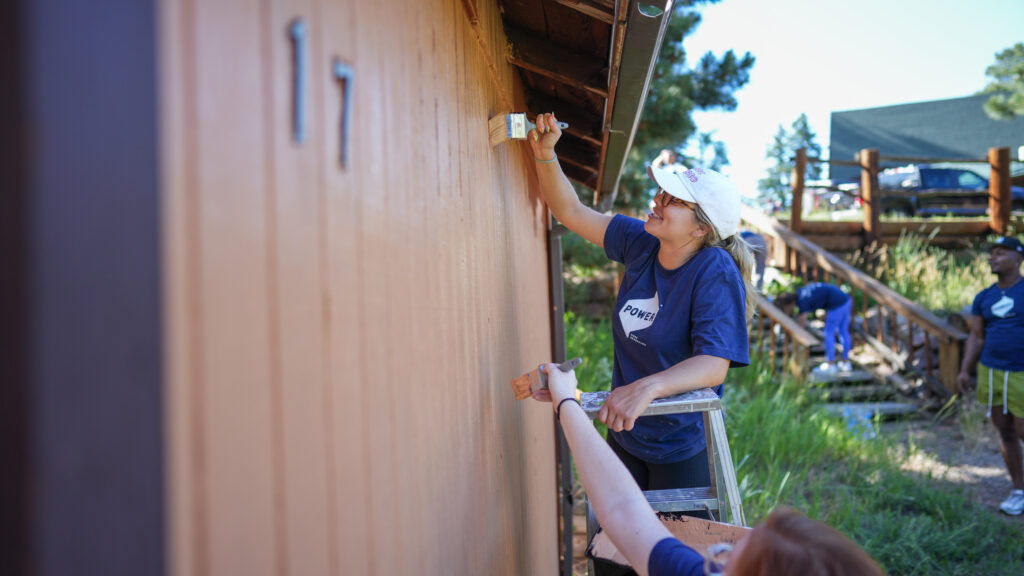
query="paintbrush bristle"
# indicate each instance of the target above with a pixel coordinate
(498, 128)
(521, 387)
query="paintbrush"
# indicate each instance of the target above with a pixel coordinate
(513, 126)
(535, 380)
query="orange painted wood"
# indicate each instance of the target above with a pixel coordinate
(303, 473)
(186, 534)
(797, 191)
(999, 190)
(870, 193)
(340, 340)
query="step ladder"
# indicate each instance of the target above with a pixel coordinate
(722, 495)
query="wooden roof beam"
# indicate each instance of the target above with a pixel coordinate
(584, 177)
(577, 149)
(603, 11)
(580, 165)
(557, 62)
(582, 124)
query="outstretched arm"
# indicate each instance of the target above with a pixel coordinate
(619, 504)
(555, 187)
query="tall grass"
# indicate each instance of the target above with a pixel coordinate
(789, 452)
(936, 279)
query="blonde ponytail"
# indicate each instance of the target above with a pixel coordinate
(741, 254)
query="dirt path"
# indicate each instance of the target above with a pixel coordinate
(962, 450)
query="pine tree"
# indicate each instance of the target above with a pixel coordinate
(1006, 84)
(676, 91)
(774, 188)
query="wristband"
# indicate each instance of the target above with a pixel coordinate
(558, 409)
(539, 161)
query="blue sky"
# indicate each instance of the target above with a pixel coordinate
(821, 56)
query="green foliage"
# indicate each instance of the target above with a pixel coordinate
(591, 340)
(939, 280)
(579, 253)
(588, 277)
(775, 187)
(1006, 84)
(790, 452)
(783, 282)
(675, 92)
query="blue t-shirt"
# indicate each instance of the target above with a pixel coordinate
(820, 296)
(1003, 313)
(663, 317)
(670, 557)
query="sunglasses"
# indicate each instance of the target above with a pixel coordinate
(663, 199)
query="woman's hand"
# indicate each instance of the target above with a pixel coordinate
(543, 138)
(561, 385)
(625, 404)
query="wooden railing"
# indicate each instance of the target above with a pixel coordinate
(783, 334)
(869, 159)
(806, 259)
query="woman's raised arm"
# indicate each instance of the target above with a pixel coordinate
(555, 188)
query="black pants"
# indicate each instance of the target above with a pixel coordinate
(693, 472)
(690, 473)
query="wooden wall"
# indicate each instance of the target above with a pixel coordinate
(339, 341)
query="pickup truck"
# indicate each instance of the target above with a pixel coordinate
(924, 190)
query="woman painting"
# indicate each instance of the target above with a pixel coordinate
(680, 316)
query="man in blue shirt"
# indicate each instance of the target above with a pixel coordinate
(997, 337)
(837, 306)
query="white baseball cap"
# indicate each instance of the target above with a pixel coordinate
(717, 196)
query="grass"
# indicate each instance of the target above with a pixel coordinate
(789, 452)
(937, 279)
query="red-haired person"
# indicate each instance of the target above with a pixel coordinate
(787, 542)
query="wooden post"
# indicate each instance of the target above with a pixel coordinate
(949, 363)
(797, 183)
(798, 366)
(894, 331)
(786, 343)
(870, 194)
(999, 190)
(864, 309)
(928, 355)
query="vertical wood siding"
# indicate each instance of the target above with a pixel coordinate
(340, 341)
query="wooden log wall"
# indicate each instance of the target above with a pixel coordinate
(340, 340)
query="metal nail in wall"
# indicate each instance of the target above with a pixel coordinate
(345, 76)
(298, 33)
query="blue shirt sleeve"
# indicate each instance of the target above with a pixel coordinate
(670, 557)
(719, 313)
(976, 306)
(625, 239)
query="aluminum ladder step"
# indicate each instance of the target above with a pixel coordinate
(683, 499)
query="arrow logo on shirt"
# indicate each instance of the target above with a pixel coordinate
(638, 314)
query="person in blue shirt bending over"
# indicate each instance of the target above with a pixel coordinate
(787, 542)
(680, 318)
(997, 337)
(837, 305)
